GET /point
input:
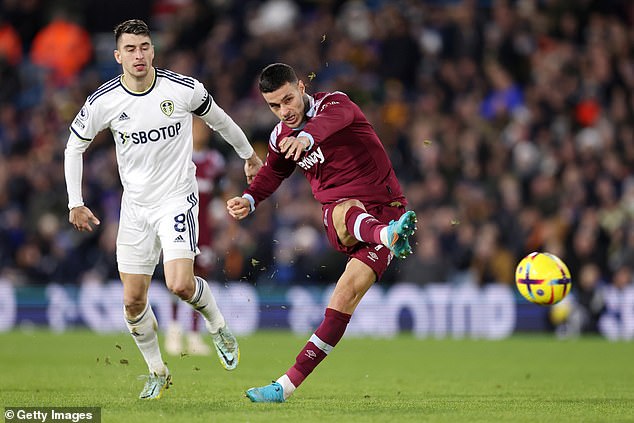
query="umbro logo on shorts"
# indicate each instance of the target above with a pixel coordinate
(124, 116)
(179, 239)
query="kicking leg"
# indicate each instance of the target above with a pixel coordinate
(354, 223)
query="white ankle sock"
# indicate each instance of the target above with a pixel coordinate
(204, 302)
(287, 386)
(383, 236)
(143, 329)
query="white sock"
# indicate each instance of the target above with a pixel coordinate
(287, 386)
(203, 301)
(143, 329)
(383, 235)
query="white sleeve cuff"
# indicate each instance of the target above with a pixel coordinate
(310, 138)
(251, 200)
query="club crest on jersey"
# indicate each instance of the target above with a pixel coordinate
(167, 107)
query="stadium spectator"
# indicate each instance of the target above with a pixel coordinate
(505, 96)
(580, 313)
(62, 46)
(10, 44)
(491, 262)
(617, 304)
(149, 111)
(364, 215)
(27, 17)
(427, 264)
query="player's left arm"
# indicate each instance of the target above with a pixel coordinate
(274, 171)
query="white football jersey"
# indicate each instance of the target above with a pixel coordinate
(152, 132)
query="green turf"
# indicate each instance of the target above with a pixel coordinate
(521, 379)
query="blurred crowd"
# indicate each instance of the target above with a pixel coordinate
(509, 123)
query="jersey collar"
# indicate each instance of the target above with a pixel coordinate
(140, 93)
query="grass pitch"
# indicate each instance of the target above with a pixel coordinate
(521, 379)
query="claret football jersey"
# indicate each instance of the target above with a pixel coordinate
(346, 160)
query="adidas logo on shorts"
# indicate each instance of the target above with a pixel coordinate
(179, 239)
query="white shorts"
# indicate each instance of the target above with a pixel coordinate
(143, 231)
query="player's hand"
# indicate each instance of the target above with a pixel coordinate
(238, 207)
(294, 147)
(82, 219)
(251, 167)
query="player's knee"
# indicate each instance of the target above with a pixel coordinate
(339, 212)
(182, 288)
(339, 221)
(134, 307)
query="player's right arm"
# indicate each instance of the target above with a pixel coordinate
(265, 183)
(82, 131)
(80, 216)
(239, 207)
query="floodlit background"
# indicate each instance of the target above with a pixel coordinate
(509, 123)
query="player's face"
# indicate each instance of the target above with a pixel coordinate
(287, 103)
(135, 53)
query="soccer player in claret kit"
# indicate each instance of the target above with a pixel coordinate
(150, 112)
(350, 174)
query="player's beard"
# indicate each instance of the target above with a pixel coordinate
(301, 115)
(306, 108)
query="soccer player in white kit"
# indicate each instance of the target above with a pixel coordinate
(149, 112)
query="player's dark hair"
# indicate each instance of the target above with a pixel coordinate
(131, 26)
(275, 75)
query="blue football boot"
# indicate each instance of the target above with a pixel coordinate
(398, 232)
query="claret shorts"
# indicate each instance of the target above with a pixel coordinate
(377, 256)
